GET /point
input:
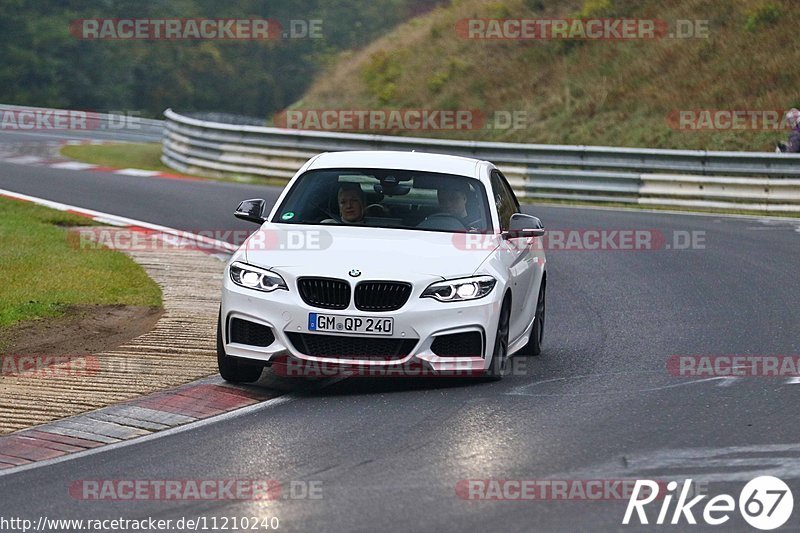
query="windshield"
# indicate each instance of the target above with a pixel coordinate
(386, 198)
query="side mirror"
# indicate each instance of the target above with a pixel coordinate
(251, 210)
(524, 226)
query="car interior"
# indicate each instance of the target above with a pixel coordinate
(394, 198)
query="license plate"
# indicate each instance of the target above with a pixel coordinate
(364, 325)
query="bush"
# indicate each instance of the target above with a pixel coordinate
(766, 15)
(455, 67)
(534, 5)
(381, 75)
(596, 9)
(498, 10)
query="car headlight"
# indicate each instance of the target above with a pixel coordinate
(458, 290)
(256, 278)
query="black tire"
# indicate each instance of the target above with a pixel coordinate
(534, 346)
(499, 364)
(232, 369)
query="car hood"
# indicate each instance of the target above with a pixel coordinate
(323, 250)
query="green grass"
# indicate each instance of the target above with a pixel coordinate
(615, 93)
(144, 156)
(43, 273)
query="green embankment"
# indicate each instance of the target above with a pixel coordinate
(616, 93)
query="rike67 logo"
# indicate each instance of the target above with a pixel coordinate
(765, 503)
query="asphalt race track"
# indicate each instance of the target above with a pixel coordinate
(599, 404)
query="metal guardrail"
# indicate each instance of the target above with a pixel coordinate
(758, 181)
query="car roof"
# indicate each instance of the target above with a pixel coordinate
(445, 164)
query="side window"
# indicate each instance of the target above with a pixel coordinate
(504, 199)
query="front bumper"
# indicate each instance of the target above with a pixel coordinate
(420, 320)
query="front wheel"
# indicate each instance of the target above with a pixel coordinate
(232, 369)
(534, 346)
(497, 368)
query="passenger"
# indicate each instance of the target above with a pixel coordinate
(452, 214)
(793, 119)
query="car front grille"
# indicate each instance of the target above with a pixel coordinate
(246, 332)
(381, 295)
(468, 344)
(325, 293)
(341, 347)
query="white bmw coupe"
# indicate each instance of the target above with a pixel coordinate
(381, 260)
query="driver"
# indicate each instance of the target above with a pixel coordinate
(453, 201)
(352, 204)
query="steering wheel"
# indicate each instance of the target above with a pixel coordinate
(376, 210)
(444, 217)
(474, 223)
